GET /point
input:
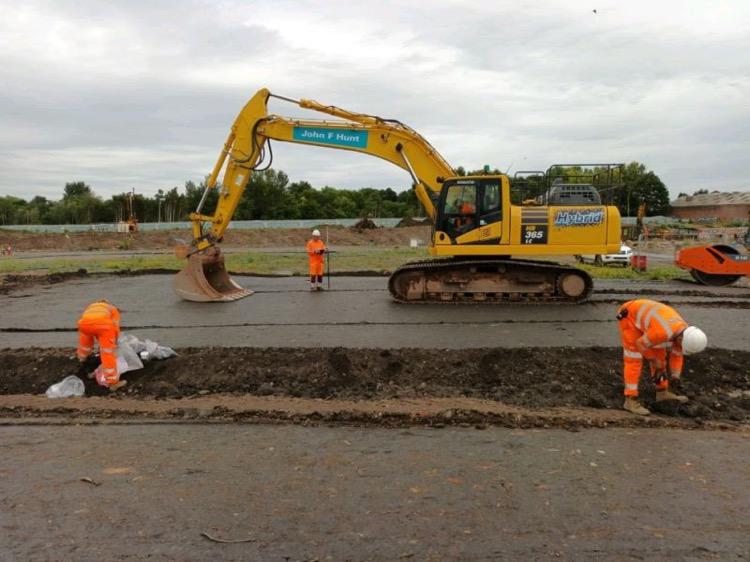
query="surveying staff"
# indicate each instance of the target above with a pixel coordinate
(100, 321)
(648, 330)
(316, 249)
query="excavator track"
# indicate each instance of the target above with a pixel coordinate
(488, 281)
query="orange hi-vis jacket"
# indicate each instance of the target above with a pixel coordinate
(647, 328)
(316, 259)
(467, 211)
(100, 321)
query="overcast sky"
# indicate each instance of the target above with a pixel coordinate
(142, 93)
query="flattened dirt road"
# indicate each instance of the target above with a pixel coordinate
(135, 492)
(358, 312)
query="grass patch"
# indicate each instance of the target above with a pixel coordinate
(268, 263)
(93, 264)
(348, 260)
(659, 273)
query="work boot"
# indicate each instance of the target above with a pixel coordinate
(118, 384)
(634, 407)
(664, 395)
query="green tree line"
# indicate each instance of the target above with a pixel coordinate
(270, 195)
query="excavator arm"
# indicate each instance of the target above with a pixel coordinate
(246, 145)
(247, 149)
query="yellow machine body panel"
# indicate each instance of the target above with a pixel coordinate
(519, 230)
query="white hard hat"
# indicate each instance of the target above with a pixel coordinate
(316, 232)
(693, 340)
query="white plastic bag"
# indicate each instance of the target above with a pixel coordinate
(161, 351)
(127, 358)
(152, 349)
(67, 388)
(135, 344)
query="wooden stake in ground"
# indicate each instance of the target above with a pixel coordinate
(328, 267)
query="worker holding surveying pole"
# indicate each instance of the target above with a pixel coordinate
(316, 249)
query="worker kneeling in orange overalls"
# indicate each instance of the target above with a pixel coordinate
(648, 330)
(101, 322)
(316, 249)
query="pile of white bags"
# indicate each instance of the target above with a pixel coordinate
(131, 352)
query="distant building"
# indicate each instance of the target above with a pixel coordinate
(717, 206)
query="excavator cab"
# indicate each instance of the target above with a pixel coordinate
(466, 204)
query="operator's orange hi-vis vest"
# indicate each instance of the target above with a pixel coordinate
(100, 321)
(467, 211)
(316, 259)
(647, 328)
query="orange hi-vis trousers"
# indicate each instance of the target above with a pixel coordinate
(101, 322)
(646, 329)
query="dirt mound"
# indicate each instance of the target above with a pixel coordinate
(364, 224)
(409, 221)
(717, 381)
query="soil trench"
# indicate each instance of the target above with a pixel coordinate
(717, 381)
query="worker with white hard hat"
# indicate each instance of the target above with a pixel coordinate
(650, 330)
(316, 249)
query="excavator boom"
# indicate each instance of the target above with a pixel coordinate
(205, 278)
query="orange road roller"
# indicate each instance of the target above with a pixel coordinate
(715, 265)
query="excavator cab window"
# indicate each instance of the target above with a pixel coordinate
(467, 204)
(490, 209)
(459, 208)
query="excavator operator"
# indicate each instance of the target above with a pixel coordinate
(466, 212)
(316, 249)
(648, 330)
(100, 321)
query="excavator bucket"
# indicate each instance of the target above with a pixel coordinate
(205, 279)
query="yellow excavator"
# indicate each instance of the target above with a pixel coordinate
(478, 234)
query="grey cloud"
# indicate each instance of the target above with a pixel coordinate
(120, 93)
